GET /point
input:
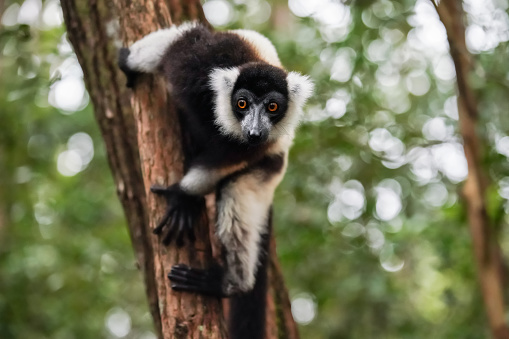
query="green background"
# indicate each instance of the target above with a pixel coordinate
(371, 229)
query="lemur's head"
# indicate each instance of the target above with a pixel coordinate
(257, 102)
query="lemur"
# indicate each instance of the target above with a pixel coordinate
(240, 108)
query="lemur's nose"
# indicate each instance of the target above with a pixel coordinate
(254, 136)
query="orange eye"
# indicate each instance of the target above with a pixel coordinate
(242, 103)
(272, 107)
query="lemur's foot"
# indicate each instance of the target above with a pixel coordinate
(181, 214)
(131, 75)
(203, 281)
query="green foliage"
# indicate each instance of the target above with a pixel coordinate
(65, 255)
(371, 231)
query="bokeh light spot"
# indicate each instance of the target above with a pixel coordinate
(303, 308)
(118, 322)
(218, 12)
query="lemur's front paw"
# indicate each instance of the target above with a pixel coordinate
(187, 279)
(131, 75)
(181, 214)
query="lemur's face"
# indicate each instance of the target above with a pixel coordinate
(257, 102)
(258, 115)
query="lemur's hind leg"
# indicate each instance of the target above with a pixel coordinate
(146, 54)
(243, 215)
(243, 205)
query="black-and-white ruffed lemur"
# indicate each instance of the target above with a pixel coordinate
(240, 108)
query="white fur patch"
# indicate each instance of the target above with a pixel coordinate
(300, 88)
(222, 81)
(263, 47)
(146, 54)
(242, 215)
(201, 180)
(282, 144)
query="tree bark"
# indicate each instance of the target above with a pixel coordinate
(143, 142)
(486, 247)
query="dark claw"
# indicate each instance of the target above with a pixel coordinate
(182, 287)
(177, 278)
(158, 230)
(180, 216)
(181, 233)
(161, 190)
(190, 230)
(179, 266)
(187, 279)
(172, 229)
(186, 271)
(167, 238)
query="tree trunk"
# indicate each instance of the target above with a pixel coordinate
(486, 247)
(142, 138)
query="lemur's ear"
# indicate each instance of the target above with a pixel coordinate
(222, 80)
(300, 87)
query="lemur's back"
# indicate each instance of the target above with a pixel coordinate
(189, 61)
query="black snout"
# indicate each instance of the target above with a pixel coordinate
(254, 137)
(255, 126)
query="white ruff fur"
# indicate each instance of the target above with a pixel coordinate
(241, 220)
(282, 145)
(146, 54)
(222, 81)
(261, 45)
(300, 89)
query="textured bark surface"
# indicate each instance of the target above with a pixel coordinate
(86, 29)
(486, 247)
(280, 323)
(144, 118)
(143, 125)
(183, 315)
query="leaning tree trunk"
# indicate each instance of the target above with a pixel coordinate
(486, 247)
(143, 142)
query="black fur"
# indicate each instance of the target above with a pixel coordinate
(183, 212)
(203, 281)
(266, 167)
(248, 311)
(187, 65)
(270, 165)
(122, 63)
(262, 78)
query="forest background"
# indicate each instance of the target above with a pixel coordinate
(372, 231)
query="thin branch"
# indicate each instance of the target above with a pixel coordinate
(486, 247)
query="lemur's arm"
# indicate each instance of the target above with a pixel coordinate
(145, 55)
(202, 180)
(243, 205)
(185, 199)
